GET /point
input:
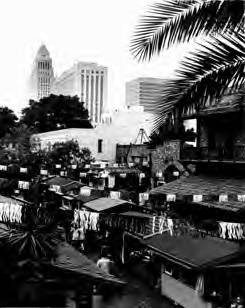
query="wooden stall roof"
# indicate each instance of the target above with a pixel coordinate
(192, 252)
(105, 204)
(202, 185)
(71, 260)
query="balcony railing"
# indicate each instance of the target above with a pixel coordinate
(237, 153)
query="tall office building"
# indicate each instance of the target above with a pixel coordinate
(89, 82)
(42, 76)
(143, 92)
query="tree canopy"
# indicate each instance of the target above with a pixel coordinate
(215, 64)
(8, 120)
(55, 112)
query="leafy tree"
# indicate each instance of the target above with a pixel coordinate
(15, 145)
(8, 120)
(55, 112)
(213, 66)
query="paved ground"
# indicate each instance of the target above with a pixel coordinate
(136, 294)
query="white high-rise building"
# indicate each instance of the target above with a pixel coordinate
(89, 82)
(144, 91)
(42, 76)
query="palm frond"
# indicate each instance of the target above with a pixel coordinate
(174, 21)
(207, 73)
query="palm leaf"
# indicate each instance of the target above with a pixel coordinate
(207, 73)
(174, 21)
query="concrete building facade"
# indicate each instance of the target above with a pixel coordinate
(42, 76)
(102, 140)
(144, 92)
(89, 82)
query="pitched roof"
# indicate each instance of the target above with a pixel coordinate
(136, 214)
(202, 185)
(72, 260)
(59, 180)
(193, 252)
(105, 204)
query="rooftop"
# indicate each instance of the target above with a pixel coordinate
(193, 252)
(72, 260)
(105, 204)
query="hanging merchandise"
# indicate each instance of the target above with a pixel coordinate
(85, 191)
(241, 198)
(57, 166)
(10, 212)
(111, 181)
(143, 197)
(3, 168)
(153, 224)
(231, 230)
(170, 225)
(123, 175)
(85, 220)
(44, 172)
(23, 170)
(223, 198)
(55, 188)
(197, 198)
(23, 185)
(141, 176)
(162, 222)
(171, 198)
(115, 195)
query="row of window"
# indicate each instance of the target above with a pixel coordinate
(92, 72)
(44, 65)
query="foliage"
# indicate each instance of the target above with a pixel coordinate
(7, 120)
(55, 112)
(215, 65)
(16, 143)
(67, 153)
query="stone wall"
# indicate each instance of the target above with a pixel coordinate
(165, 155)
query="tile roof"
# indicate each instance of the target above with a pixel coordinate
(72, 260)
(193, 252)
(202, 185)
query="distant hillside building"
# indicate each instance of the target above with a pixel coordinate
(143, 92)
(42, 76)
(89, 82)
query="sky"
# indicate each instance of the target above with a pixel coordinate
(74, 30)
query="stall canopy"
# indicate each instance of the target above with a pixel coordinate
(192, 252)
(70, 259)
(209, 189)
(107, 205)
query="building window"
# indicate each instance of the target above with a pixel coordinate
(100, 145)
